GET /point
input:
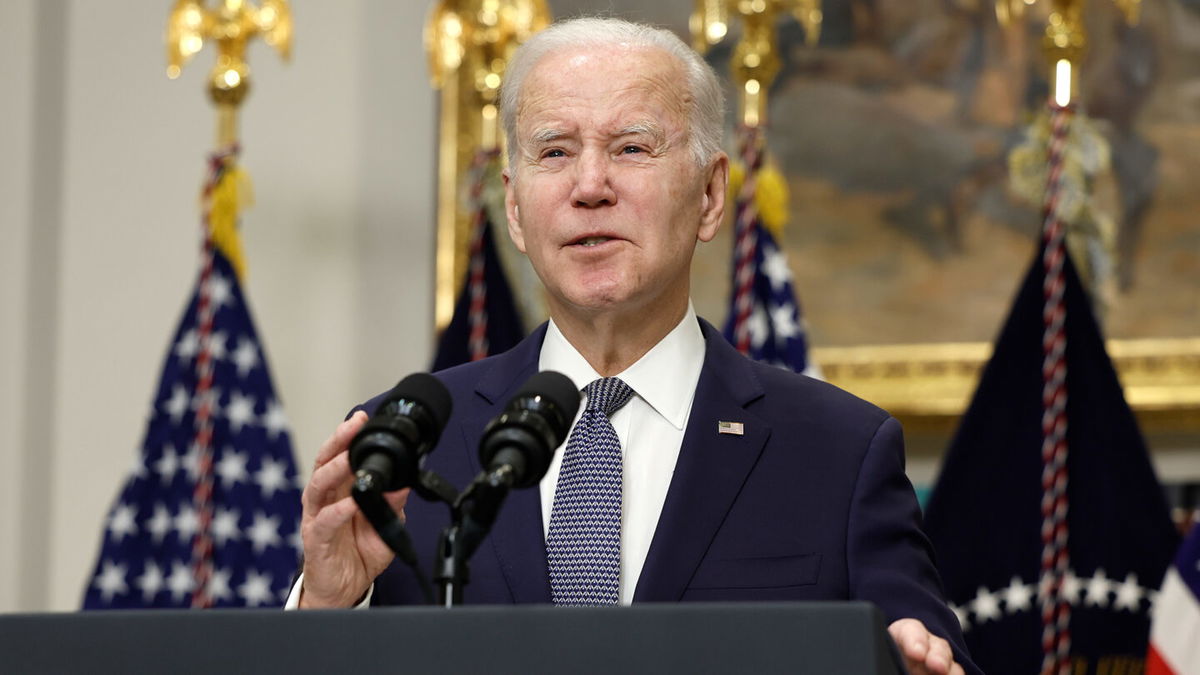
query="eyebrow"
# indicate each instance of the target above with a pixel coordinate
(651, 129)
(547, 135)
(642, 128)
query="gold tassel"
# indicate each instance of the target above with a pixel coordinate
(770, 195)
(230, 195)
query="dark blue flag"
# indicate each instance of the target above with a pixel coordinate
(485, 320)
(985, 516)
(148, 557)
(775, 330)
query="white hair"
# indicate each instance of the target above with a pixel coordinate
(706, 107)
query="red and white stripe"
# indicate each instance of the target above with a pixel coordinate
(202, 542)
(746, 238)
(477, 318)
(1055, 608)
(1174, 649)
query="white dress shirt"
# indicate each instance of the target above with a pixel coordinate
(664, 383)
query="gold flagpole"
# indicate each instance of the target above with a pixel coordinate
(469, 43)
(231, 24)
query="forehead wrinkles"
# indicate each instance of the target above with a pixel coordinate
(614, 91)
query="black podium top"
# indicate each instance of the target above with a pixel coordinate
(669, 638)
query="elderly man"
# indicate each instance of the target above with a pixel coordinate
(615, 174)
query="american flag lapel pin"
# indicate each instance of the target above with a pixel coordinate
(732, 428)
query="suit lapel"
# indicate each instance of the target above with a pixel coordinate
(709, 473)
(517, 533)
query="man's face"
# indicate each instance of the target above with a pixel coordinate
(605, 196)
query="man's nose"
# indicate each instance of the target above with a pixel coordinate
(593, 187)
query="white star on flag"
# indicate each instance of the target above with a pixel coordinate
(272, 476)
(256, 590)
(188, 345)
(151, 581)
(220, 291)
(216, 345)
(1129, 594)
(245, 357)
(1098, 588)
(264, 532)
(180, 582)
(225, 525)
(218, 585)
(167, 465)
(759, 326)
(783, 318)
(1017, 596)
(177, 405)
(986, 606)
(239, 411)
(122, 522)
(274, 420)
(186, 523)
(111, 580)
(191, 463)
(232, 467)
(775, 268)
(159, 524)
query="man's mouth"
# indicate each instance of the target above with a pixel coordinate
(591, 241)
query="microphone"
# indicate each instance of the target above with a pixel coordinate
(386, 455)
(386, 452)
(517, 447)
(522, 439)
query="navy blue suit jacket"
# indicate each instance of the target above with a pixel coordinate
(810, 503)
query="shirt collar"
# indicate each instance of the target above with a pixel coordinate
(665, 377)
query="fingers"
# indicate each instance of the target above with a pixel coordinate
(939, 657)
(397, 500)
(340, 439)
(912, 638)
(331, 478)
(922, 651)
(330, 482)
(329, 519)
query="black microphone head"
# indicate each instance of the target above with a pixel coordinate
(405, 426)
(560, 391)
(425, 389)
(534, 423)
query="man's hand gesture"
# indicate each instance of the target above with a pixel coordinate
(342, 552)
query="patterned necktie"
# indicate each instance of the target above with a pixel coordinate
(583, 546)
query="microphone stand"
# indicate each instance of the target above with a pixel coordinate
(472, 516)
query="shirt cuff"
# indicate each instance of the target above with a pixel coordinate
(293, 601)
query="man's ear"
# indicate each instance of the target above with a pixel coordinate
(712, 210)
(513, 213)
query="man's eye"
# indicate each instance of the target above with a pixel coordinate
(631, 149)
(554, 153)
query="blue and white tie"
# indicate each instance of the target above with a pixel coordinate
(583, 546)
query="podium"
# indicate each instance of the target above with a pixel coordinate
(667, 638)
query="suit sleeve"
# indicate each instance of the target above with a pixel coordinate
(890, 559)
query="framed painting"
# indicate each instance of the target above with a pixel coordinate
(905, 239)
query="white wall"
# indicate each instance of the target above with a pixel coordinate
(16, 122)
(99, 219)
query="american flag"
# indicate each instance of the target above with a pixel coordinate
(1175, 622)
(764, 321)
(197, 528)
